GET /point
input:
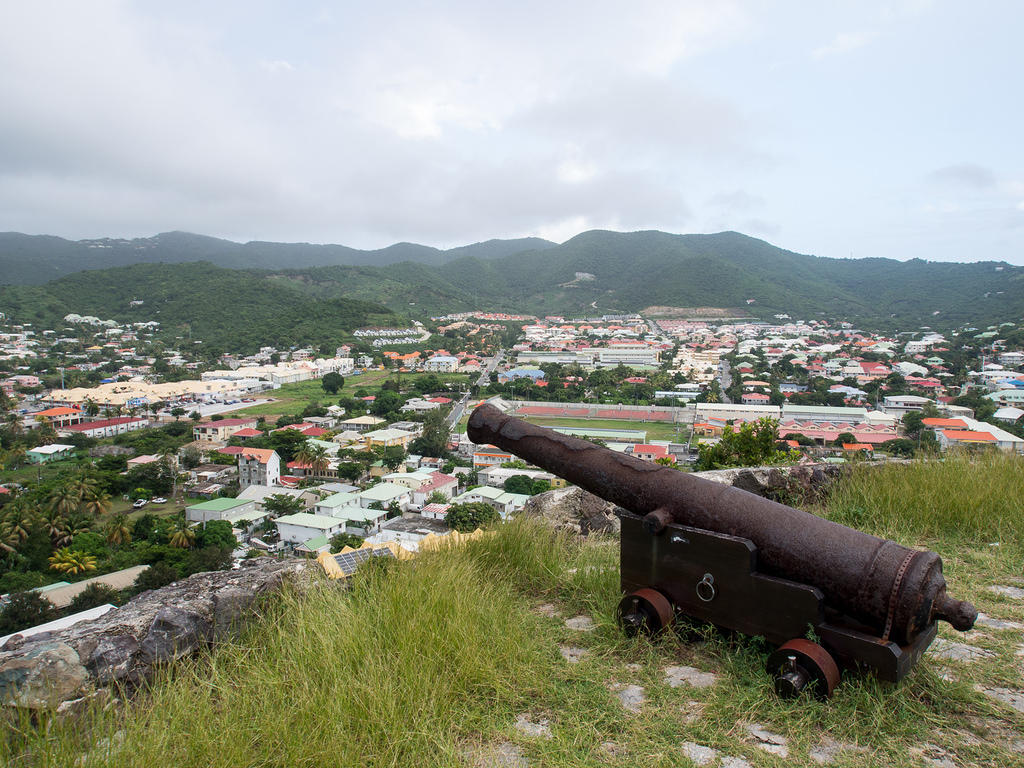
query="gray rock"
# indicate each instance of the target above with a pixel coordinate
(573, 509)
(539, 729)
(111, 659)
(828, 750)
(677, 676)
(175, 632)
(808, 480)
(698, 754)
(571, 654)
(933, 755)
(946, 649)
(123, 645)
(1016, 593)
(992, 623)
(580, 623)
(734, 762)
(1006, 696)
(770, 742)
(631, 697)
(41, 675)
(504, 755)
(547, 610)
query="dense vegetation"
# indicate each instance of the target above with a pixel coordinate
(27, 259)
(630, 271)
(228, 310)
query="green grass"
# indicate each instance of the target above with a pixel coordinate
(424, 662)
(292, 398)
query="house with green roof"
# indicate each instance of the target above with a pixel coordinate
(218, 509)
(385, 494)
(301, 527)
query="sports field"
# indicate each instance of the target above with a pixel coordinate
(654, 430)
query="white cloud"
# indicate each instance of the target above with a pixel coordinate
(844, 42)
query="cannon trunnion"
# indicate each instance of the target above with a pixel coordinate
(696, 549)
(686, 574)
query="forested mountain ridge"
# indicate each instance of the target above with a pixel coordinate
(226, 310)
(36, 259)
(605, 272)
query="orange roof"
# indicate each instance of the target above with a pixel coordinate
(262, 455)
(968, 437)
(956, 423)
(59, 411)
(857, 447)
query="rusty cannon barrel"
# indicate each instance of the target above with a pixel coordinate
(895, 590)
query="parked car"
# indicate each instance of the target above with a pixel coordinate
(140, 503)
(159, 500)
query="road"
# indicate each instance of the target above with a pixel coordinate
(485, 378)
(725, 380)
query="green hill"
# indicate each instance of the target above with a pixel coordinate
(35, 259)
(228, 310)
(595, 272)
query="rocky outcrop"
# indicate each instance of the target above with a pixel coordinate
(125, 646)
(573, 509)
(580, 512)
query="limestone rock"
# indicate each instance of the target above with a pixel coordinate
(677, 676)
(41, 675)
(809, 480)
(1014, 593)
(571, 654)
(581, 623)
(698, 754)
(1006, 696)
(575, 510)
(539, 729)
(770, 742)
(124, 645)
(992, 623)
(631, 697)
(946, 649)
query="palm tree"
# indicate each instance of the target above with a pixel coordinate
(304, 455)
(182, 535)
(78, 522)
(72, 563)
(96, 502)
(64, 499)
(119, 531)
(16, 525)
(56, 526)
(319, 460)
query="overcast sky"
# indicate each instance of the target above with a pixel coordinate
(843, 128)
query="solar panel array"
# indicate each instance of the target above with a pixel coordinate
(348, 562)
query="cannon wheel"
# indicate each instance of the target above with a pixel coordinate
(645, 610)
(801, 664)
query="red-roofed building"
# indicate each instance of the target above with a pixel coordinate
(59, 416)
(651, 452)
(220, 431)
(944, 423)
(435, 511)
(949, 438)
(106, 427)
(246, 433)
(754, 398)
(439, 482)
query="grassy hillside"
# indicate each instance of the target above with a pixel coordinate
(226, 309)
(431, 662)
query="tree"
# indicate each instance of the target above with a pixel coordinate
(177, 412)
(341, 540)
(119, 530)
(24, 610)
(437, 497)
(94, 596)
(393, 456)
(282, 504)
(332, 382)
(753, 445)
(156, 576)
(191, 457)
(195, 416)
(182, 534)
(466, 518)
(386, 402)
(217, 533)
(72, 563)
(519, 484)
(433, 440)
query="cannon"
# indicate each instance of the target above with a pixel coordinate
(695, 550)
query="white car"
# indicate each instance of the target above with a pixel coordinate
(140, 503)
(159, 500)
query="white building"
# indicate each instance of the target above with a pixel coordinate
(258, 466)
(299, 528)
